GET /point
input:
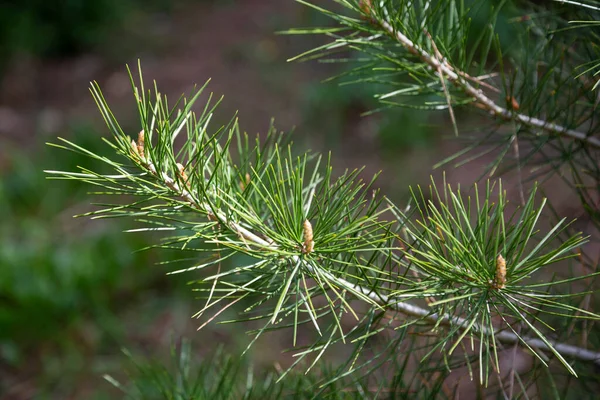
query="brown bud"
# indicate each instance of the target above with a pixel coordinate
(140, 145)
(244, 185)
(309, 245)
(182, 174)
(500, 282)
(366, 6)
(134, 149)
(513, 103)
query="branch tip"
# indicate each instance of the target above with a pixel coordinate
(309, 244)
(140, 145)
(500, 282)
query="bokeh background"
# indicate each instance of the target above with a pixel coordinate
(75, 292)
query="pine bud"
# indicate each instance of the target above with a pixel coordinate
(513, 103)
(309, 245)
(244, 185)
(134, 149)
(140, 145)
(366, 7)
(500, 282)
(182, 174)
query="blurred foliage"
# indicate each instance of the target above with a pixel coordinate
(57, 27)
(338, 109)
(219, 376)
(63, 281)
(54, 28)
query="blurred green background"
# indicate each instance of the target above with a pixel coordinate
(74, 292)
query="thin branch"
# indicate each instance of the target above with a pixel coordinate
(578, 3)
(502, 336)
(457, 78)
(187, 196)
(384, 301)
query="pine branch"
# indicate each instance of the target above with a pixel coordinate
(505, 337)
(384, 301)
(481, 100)
(261, 207)
(172, 184)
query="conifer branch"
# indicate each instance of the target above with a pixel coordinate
(264, 206)
(186, 195)
(481, 100)
(505, 337)
(384, 301)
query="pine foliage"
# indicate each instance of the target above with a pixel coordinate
(457, 281)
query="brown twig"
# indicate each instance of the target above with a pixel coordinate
(481, 100)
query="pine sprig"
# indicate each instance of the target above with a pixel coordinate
(199, 193)
(530, 68)
(474, 259)
(318, 246)
(419, 49)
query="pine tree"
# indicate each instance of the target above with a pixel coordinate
(456, 283)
